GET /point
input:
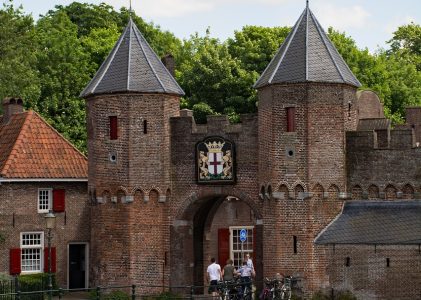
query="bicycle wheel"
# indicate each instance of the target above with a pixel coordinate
(276, 295)
(286, 295)
(247, 294)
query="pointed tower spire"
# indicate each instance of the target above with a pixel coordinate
(132, 66)
(307, 55)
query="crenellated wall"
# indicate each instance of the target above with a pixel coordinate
(383, 165)
(194, 204)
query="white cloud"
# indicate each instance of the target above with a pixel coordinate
(171, 8)
(342, 18)
(179, 8)
(393, 25)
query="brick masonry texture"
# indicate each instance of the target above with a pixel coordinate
(151, 222)
(19, 213)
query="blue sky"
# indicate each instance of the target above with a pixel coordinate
(369, 22)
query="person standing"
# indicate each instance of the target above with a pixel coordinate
(249, 261)
(245, 275)
(229, 271)
(214, 274)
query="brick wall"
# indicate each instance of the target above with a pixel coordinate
(372, 168)
(369, 277)
(131, 195)
(19, 213)
(194, 206)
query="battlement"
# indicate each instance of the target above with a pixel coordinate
(396, 139)
(185, 123)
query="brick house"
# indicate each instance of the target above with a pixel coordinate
(41, 171)
(325, 189)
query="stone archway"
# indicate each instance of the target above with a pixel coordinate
(194, 234)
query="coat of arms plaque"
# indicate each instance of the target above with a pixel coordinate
(215, 161)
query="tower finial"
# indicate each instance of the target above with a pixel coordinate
(307, 3)
(130, 8)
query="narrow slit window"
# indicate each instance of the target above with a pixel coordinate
(145, 126)
(113, 128)
(388, 262)
(290, 112)
(295, 244)
(347, 261)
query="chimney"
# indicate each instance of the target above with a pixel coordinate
(168, 61)
(11, 106)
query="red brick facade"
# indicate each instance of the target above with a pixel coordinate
(19, 214)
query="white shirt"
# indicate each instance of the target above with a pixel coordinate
(250, 263)
(214, 271)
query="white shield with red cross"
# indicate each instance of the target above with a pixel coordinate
(215, 163)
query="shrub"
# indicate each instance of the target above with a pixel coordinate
(320, 296)
(345, 295)
(35, 282)
(117, 295)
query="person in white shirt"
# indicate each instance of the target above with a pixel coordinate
(246, 273)
(214, 275)
(249, 261)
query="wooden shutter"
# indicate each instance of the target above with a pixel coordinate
(113, 128)
(223, 246)
(53, 259)
(290, 119)
(15, 255)
(59, 200)
(254, 245)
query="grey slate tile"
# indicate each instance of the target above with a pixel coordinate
(375, 222)
(307, 55)
(132, 66)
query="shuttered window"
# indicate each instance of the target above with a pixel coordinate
(31, 244)
(113, 128)
(44, 200)
(53, 260)
(59, 200)
(15, 261)
(223, 245)
(290, 114)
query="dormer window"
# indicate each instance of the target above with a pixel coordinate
(113, 127)
(290, 116)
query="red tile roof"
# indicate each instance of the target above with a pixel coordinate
(31, 148)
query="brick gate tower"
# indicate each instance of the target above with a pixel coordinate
(306, 104)
(129, 103)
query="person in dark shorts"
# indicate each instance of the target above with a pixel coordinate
(214, 275)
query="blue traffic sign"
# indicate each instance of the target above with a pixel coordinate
(243, 235)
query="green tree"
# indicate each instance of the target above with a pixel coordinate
(98, 44)
(64, 70)
(255, 46)
(18, 73)
(406, 42)
(389, 73)
(211, 75)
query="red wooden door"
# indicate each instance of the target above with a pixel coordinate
(223, 246)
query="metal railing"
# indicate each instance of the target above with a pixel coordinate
(13, 290)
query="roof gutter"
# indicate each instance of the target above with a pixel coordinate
(10, 180)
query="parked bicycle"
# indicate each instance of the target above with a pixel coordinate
(271, 290)
(278, 289)
(235, 290)
(286, 289)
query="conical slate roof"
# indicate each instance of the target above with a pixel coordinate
(307, 55)
(132, 66)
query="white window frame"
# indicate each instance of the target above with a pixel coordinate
(49, 192)
(39, 247)
(247, 249)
